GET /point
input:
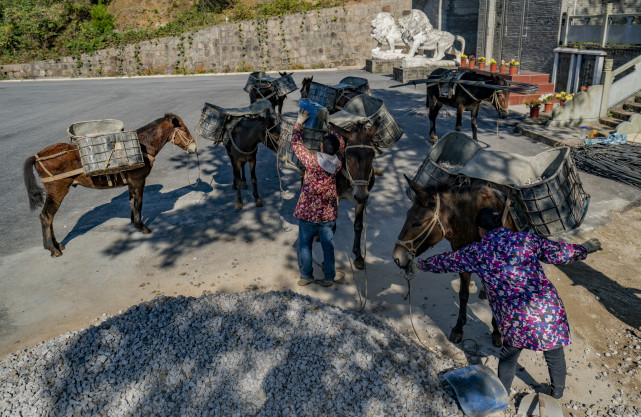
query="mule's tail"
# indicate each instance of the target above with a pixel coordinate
(36, 192)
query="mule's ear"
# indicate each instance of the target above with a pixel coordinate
(347, 135)
(420, 194)
(176, 122)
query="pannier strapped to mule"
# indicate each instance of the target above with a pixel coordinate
(546, 187)
(366, 109)
(104, 147)
(214, 118)
(281, 86)
(312, 139)
(329, 95)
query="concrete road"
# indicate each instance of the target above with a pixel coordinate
(200, 242)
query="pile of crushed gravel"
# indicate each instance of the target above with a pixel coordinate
(240, 354)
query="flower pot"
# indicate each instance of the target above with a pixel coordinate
(493, 67)
(481, 65)
(464, 63)
(502, 69)
(513, 70)
(561, 102)
(534, 112)
(549, 106)
(472, 64)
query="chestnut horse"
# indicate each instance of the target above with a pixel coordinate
(59, 168)
(340, 103)
(245, 136)
(447, 212)
(357, 178)
(465, 97)
(265, 91)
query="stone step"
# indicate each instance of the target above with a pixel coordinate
(632, 106)
(611, 122)
(621, 114)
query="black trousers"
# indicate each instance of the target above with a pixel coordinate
(555, 359)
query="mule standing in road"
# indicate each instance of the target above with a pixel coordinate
(265, 91)
(245, 136)
(447, 212)
(59, 168)
(465, 97)
(357, 177)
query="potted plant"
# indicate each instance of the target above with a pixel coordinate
(561, 97)
(472, 59)
(493, 65)
(481, 61)
(503, 67)
(534, 105)
(513, 66)
(464, 60)
(546, 99)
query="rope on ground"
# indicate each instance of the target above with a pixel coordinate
(621, 163)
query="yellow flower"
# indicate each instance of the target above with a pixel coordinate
(492, 61)
(482, 59)
(463, 56)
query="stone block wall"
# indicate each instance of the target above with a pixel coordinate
(332, 37)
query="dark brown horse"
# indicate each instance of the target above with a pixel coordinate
(246, 134)
(265, 91)
(357, 178)
(340, 102)
(466, 97)
(59, 168)
(447, 212)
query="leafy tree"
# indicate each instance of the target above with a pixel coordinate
(101, 19)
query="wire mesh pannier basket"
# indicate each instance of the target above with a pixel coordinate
(323, 95)
(312, 139)
(211, 124)
(110, 153)
(389, 132)
(358, 84)
(284, 85)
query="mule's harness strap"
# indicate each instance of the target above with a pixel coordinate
(61, 176)
(425, 233)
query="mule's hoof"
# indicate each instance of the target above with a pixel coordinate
(56, 253)
(145, 230)
(359, 263)
(259, 203)
(456, 336)
(482, 294)
(239, 206)
(433, 139)
(497, 340)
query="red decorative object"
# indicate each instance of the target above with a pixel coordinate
(534, 112)
(481, 65)
(464, 63)
(513, 70)
(561, 101)
(549, 106)
(493, 67)
(502, 69)
(472, 64)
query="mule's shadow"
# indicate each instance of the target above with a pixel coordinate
(155, 202)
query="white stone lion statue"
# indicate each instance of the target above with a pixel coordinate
(418, 33)
(386, 32)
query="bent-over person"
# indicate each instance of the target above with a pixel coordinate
(525, 304)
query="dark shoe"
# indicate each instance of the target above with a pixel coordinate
(326, 283)
(304, 281)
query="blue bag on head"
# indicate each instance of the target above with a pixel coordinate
(317, 113)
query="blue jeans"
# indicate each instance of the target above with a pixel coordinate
(306, 233)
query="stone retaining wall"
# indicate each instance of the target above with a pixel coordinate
(332, 37)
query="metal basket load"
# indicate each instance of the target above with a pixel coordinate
(546, 188)
(312, 139)
(282, 86)
(110, 153)
(389, 132)
(324, 95)
(211, 125)
(93, 128)
(358, 84)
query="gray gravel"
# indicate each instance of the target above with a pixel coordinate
(239, 354)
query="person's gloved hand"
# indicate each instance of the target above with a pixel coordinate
(303, 115)
(592, 245)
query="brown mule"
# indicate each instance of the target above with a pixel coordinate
(447, 212)
(59, 168)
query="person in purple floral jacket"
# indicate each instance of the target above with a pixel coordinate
(317, 206)
(527, 307)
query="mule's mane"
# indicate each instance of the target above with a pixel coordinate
(151, 125)
(454, 192)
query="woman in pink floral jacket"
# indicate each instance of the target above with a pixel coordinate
(317, 206)
(527, 307)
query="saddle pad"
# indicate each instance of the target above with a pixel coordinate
(79, 130)
(500, 168)
(346, 119)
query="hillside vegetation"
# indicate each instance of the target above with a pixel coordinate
(33, 30)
